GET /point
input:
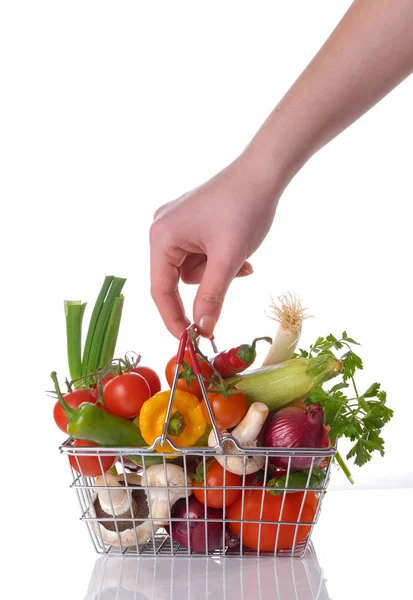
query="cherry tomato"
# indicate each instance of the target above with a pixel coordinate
(215, 477)
(105, 380)
(188, 382)
(229, 411)
(271, 512)
(90, 465)
(73, 399)
(125, 394)
(151, 377)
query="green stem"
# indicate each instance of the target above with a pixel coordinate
(74, 311)
(260, 339)
(176, 424)
(344, 467)
(101, 325)
(111, 335)
(70, 412)
(93, 321)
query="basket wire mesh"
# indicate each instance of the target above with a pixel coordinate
(122, 530)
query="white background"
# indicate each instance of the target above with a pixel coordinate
(109, 109)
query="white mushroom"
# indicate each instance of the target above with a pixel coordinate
(120, 505)
(166, 478)
(246, 433)
(133, 502)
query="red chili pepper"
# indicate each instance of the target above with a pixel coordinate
(231, 362)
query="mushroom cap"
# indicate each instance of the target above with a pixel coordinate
(131, 503)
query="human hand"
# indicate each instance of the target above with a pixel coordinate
(206, 236)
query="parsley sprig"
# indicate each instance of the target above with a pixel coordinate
(359, 417)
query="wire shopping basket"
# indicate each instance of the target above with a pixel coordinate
(146, 506)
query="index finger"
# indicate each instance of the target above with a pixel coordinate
(165, 292)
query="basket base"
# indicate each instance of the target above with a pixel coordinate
(163, 546)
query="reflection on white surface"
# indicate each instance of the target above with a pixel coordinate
(197, 578)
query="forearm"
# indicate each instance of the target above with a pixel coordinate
(368, 54)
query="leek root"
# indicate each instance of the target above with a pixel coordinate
(290, 316)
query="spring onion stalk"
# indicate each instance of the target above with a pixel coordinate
(115, 289)
(93, 321)
(289, 315)
(288, 381)
(111, 335)
(74, 310)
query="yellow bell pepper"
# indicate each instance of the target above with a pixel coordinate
(186, 425)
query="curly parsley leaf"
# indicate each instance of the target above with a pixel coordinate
(359, 418)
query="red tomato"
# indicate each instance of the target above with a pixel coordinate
(271, 512)
(151, 377)
(90, 465)
(215, 477)
(228, 412)
(125, 394)
(73, 399)
(188, 382)
(105, 380)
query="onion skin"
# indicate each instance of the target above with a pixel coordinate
(196, 510)
(296, 427)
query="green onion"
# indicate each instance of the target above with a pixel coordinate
(93, 321)
(111, 335)
(96, 346)
(74, 310)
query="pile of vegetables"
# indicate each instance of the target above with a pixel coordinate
(118, 403)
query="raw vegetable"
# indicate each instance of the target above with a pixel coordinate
(297, 480)
(228, 406)
(74, 311)
(73, 399)
(124, 506)
(151, 377)
(186, 425)
(289, 315)
(215, 477)
(111, 333)
(191, 534)
(246, 434)
(94, 358)
(90, 422)
(166, 477)
(90, 465)
(288, 381)
(295, 427)
(93, 322)
(125, 394)
(237, 359)
(297, 507)
(359, 417)
(187, 381)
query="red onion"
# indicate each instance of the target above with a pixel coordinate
(196, 510)
(296, 427)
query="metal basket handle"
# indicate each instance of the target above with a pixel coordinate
(186, 343)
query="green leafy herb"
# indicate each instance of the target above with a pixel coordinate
(297, 480)
(359, 417)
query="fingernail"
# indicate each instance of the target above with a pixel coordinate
(207, 325)
(246, 270)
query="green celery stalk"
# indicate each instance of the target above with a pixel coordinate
(93, 321)
(102, 324)
(111, 335)
(74, 310)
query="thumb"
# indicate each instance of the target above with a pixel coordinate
(218, 274)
